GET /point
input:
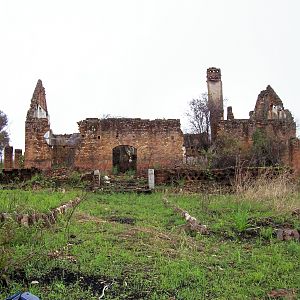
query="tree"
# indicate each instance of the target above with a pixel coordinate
(4, 138)
(199, 115)
(199, 119)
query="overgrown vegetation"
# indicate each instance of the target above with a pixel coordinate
(226, 150)
(4, 137)
(141, 249)
(278, 191)
(267, 150)
(39, 180)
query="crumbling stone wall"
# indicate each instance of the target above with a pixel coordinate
(63, 149)
(38, 152)
(244, 129)
(270, 107)
(294, 155)
(63, 156)
(17, 158)
(8, 157)
(194, 144)
(270, 116)
(158, 142)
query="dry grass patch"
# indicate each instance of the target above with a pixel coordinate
(82, 217)
(280, 192)
(171, 244)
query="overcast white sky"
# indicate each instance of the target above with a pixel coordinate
(146, 59)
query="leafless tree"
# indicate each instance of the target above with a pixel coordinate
(199, 115)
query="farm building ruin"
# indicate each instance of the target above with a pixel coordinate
(138, 144)
(269, 115)
(122, 143)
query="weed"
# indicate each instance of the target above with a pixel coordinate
(240, 219)
(115, 170)
(130, 173)
(267, 233)
(74, 179)
(181, 182)
(293, 249)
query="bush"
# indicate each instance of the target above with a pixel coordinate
(74, 179)
(227, 148)
(39, 180)
(267, 150)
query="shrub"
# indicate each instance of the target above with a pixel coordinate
(41, 181)
(226, 150)
(267, 150)
(74, 179)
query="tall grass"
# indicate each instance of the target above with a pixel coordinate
(279, 191)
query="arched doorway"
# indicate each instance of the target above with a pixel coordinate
(124, 158)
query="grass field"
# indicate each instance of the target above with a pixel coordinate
(141, 249)
(29, 201)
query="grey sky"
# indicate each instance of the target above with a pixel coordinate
(143, 58)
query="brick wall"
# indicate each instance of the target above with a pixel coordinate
(8, 157)
(158, 142)
(63, 156)
(38, 153)
(17, 158)
(270, 116)
(294, 155)
(243, 129)
(239, 128)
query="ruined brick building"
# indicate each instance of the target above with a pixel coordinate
(136, 144)
(121, 143)
(269, 115)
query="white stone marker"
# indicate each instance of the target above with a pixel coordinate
(151, 178)
(97, 173)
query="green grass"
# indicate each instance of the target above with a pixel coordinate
(153, 256)
(28, 201)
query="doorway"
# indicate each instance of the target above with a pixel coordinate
(124, 159)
